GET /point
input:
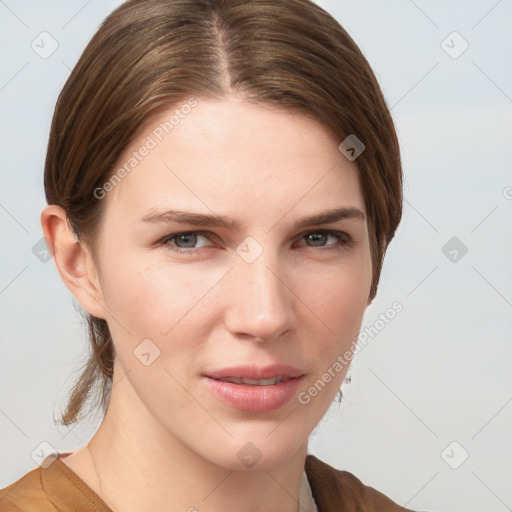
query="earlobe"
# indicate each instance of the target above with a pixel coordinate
(73, 260)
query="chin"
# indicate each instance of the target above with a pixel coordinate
(258, 451)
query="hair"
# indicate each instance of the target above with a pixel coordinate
(149, 55)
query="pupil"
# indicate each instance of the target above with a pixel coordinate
(189, 240)
(317, 237)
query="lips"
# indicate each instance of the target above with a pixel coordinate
(254, 382)
(256, 373)
(255, 389)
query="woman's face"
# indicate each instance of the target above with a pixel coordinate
(211, 274)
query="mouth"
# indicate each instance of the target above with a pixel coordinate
(254, 382)
(255, 389)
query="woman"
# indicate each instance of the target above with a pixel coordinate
(223, 179)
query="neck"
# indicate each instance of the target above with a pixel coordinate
(139, 466)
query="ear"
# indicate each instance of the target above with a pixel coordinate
(74, 261)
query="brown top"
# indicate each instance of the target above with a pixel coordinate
(57, 488)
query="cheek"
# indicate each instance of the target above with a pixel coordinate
(151, 300)
(158, 300)
(144, 298)
(336, 303)
(342, 291)
(151, 309)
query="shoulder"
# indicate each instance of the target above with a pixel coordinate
(333, 488)
(51, 487)
(26, 494)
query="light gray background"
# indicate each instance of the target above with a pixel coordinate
(438, 373)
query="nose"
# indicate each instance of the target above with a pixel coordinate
(260, 302)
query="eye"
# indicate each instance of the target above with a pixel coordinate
(184, 242)
(321, 239)
(190, 241)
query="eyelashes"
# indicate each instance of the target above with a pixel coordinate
(342, 240)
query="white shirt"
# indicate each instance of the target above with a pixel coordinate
(306, 500)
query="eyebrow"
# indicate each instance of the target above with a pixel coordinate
(201, 219)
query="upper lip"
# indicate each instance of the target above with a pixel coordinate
(256, 372)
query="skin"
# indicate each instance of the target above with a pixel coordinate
(301, 302)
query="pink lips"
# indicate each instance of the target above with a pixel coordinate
(254, 397)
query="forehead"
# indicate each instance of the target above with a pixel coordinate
(228, 154)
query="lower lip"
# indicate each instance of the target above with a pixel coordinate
(255, 398)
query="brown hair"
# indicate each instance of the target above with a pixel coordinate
(151, 54)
